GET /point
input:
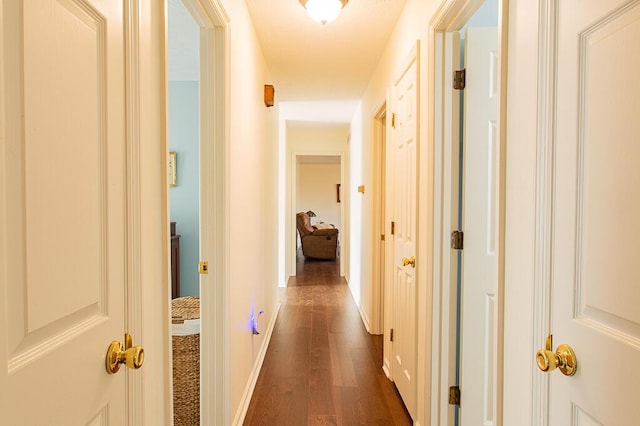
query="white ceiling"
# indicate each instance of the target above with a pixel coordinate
(319, 71)
(310, 61)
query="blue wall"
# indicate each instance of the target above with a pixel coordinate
(485, 16)
(184, 129)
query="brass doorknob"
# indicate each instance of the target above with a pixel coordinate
(563, 358)
(407, 261)
(129, 355)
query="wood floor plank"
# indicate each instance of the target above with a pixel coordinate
(322, 367)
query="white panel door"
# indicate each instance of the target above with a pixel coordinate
(62, 211)
(404, 142)
(479, 271)
(596, 227)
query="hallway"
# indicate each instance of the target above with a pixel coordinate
(322, 367)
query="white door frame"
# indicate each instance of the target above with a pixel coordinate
(451, 16)
(149, 395)
(378, 222)
(293, 167)
(214, 201)
(538, 393)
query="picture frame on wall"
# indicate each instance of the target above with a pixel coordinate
(173, 166)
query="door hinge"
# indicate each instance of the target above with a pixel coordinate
(391, 335)
(457, 239)
(454, 395)
(459, 79)
(393, 228)
(393, 120)
(381, 237)
(203, 268)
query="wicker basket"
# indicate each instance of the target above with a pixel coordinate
(186, 364)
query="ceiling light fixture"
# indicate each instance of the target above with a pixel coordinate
(323, 11)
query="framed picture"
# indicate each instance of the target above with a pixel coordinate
(173, 168)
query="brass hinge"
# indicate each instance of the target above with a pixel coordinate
(393, 228)
(382, 237)
(203, 268)
(393, 120)
(457, 239)
(391, 335)
(459, 79)
(454, 395)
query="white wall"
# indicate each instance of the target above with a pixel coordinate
(316, 191)
(356, 213)
(252, 186)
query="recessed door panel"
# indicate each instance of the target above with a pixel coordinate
(64, 163)
(609, 176)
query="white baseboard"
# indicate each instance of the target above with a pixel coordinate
(255, 372)
(386, 371)
(365, 319)
(363, 316)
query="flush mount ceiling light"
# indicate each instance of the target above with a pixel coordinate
(323, 11)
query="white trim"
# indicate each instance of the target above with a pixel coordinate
(134, 318)
(255, 372)
(152, 329)
(445, 220)
(363, 314)
(545, 146)
(378, 223)
(213, 20)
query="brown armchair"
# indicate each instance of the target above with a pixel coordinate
(316, 243)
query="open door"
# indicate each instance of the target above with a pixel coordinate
(479, 220)
(69, 237)
(596, 205)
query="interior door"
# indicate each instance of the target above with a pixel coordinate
(63, 237)
(595, 290)
(404, 148)
(479, 267)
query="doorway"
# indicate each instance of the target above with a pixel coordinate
(183, 62)
(379, 219)
(317, 142)
(468, 140)
(204, 49)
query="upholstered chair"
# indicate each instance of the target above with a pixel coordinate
(316, 243)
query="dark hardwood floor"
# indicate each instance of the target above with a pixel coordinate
(322, 367)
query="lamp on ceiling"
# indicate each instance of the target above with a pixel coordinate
(323, 11)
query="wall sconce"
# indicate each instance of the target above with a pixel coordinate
(269, 95)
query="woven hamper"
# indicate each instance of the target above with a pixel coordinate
(186, 363)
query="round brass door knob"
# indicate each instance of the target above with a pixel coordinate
(118, 354)
(563, 358)
(407, 261)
